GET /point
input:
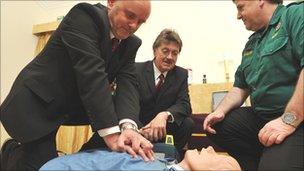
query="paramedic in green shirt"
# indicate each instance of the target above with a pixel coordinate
(269, 134)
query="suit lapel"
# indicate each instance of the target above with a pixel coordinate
(112, 58)
(106, 50)
(115, 59)
(149, 76)
(118, 57)
(104, 27)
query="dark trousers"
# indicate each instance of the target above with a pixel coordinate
(238, 134)
(28, 156)
(94, 142)
(181, 134)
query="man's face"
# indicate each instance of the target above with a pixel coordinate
(208, 159)
(166, 56)
(250, 12)
(127, 16)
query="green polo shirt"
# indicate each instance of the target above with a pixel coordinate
(272, 61)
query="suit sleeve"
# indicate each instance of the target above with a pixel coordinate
(182, 107)
(81, 38)
(126, 96)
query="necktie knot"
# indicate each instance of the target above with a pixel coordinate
(115, 43)
(160, 82)
(161, 77)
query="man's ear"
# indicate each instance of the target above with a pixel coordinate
(111, 3)
(261, 3)
(154, 53)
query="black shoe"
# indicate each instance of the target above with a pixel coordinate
(8, 146)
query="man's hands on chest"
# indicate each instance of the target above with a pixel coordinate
(131, 142)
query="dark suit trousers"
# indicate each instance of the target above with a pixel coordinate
(94, 142)
(181, 134)
(238, 134)
(28, 156)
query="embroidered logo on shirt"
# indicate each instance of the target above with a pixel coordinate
(248, 53)
(274, 35)
(276, 30)
(278, 26)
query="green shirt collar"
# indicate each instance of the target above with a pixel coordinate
(277, 14)
(274, 19)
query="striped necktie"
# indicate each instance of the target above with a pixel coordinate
(160, 82)
(115, 43)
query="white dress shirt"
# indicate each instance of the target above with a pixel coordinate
(156, 79)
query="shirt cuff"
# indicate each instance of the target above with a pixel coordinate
(129, 121)
(107, 131)
(170, 116)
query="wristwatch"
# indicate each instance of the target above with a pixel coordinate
(291, 119)
(128, 125)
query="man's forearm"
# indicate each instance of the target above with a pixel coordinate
(235, 98)
(295, 105)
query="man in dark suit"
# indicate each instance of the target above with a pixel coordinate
(163, 88)
(69, 82)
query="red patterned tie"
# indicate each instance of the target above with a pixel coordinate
(160, 82)
(115, 43)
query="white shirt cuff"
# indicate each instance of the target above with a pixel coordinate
(107, 131)
(129, 121)
(115, 129)
(171, 117)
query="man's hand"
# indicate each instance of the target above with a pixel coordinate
(111, 141)
(134, 144)
(212, 119)
(156, 129)
(275, 131)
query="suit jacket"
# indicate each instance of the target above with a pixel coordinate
(69, 80)
(173, 95)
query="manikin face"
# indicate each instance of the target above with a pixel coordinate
(166, 56)
(250, 12)
(126, 16)
(208, 159)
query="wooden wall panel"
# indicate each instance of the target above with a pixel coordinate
(201, 95)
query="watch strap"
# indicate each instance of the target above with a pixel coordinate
(295, 123)
(128, 125)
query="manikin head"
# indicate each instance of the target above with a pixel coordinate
(208, 159)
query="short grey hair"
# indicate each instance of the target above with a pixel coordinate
(168, 35)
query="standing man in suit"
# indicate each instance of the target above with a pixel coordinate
(163, 89)
(69, 82)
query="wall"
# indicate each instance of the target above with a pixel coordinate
(209, 30)
(17, 42)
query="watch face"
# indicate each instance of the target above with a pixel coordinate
(289, 118)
